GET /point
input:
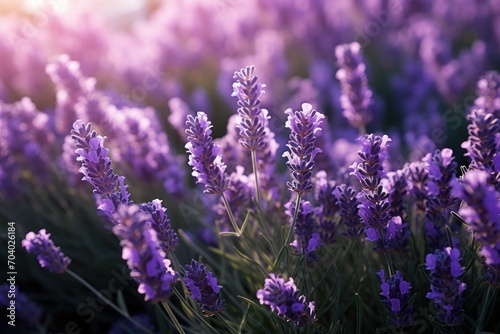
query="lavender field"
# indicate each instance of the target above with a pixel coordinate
(230, 166)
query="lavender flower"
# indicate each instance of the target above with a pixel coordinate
(252, 119)
(49, 256)
(439, 201)
(348, 210)
(356, 98)
(205, 157)
(303, 125)
(327, 207)
(161, 224)
(397, 299)
(143, 253)
(203, 288)
(307, 239)
(26, 310)
(283, 298)
(97, 170)
(481, 211)
(488, 91)
(417, 174)
(446, 288)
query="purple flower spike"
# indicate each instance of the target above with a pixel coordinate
(397, 299)
(440, 200)
(161, 224)
(306, 239)
(97, 170)
(49, 256)
(251, 121)
(446, 288)
(203, 288)
(143, 253)
(205, 157)
(356, 99)
(283, 298)
(348, 210)
(481, 211)
(304, 124)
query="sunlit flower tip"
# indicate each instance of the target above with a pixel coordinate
(304, 124)
(283, 298)
(49, 256)
(203, 288)
(161, 224)
(205, 157)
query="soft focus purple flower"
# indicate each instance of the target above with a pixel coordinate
(348, 210)
(326, 207)
(305, 228)
(356, 99)
(49, 256)
(26, 310)
(205, 157)
(124, 326)
(143, 253)
(251, 119)
(446, 287)
(203, 288)
(481, 211)
(179, 111)
(303, 125)
(440, 200)
(161, 224)
(397, 299)
(283, 298)
(417, 175)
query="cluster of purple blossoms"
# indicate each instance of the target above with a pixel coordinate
(356, 98)
(251, 119)
(304, 124)
(143, 253)
(283, 298)
(205, 157)
(397, 299)
(417, 173)
(446, 287)
(307, 240)
(481, 211)
(349, 211)
(49, 256)
(203, 288)
(96, 167)
(387, 232)
(483, 144)
(440, 200)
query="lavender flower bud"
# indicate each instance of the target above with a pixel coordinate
(144, 254)
(446, 288)
(161, 224)
(307, 239)
(417, 173)
(251, 120)
(348, 210)
(439, 201)
(356, 98)
(303, 125)
(49, 256)
(397, 299)
(283, 298)
(327, 207)
(205, 157)
(203, 288)
(481, 211)
(488, 91)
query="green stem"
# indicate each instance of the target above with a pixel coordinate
(295, 215)
(173, 317)
(106, 300)
(230, 214)
(484, 309)
(254, 167)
